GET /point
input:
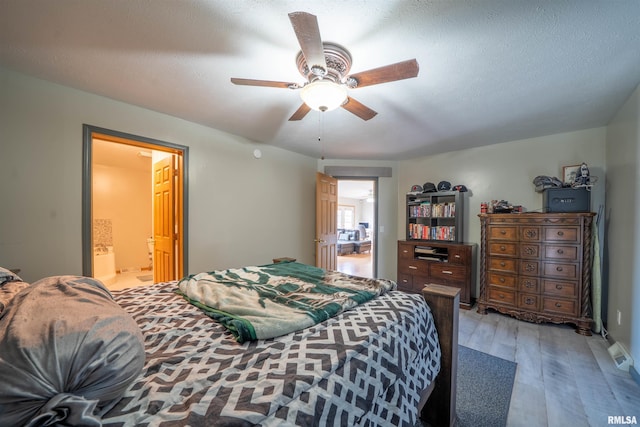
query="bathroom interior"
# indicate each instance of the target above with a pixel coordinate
(122, 214)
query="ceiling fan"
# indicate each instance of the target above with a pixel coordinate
(326, 68)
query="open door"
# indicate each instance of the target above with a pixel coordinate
(326, 221)
(165, 175)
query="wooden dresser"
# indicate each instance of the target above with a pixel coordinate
(537, 267)
(433, 262)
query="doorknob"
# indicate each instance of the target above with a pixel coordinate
(319, 241)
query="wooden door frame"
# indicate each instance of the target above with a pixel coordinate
(88, 133)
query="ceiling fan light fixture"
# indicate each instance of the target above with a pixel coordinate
(324, 95)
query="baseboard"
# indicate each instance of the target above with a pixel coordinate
(634, 374)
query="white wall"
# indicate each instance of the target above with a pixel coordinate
(122, 195)
(623, 243)
(239, 210)
(505, 171)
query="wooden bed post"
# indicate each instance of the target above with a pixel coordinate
(444, 301)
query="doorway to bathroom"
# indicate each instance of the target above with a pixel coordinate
(133, 209)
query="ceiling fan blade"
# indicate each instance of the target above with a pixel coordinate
(388, 73)
(359, 109)
(300, 112)
(306, 28)
(267, 83)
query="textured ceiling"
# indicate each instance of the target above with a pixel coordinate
(490, 71)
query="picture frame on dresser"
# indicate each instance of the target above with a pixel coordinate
(569, 173)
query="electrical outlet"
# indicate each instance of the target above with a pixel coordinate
(619, 318)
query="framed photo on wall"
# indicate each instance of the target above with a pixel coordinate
(569, 173)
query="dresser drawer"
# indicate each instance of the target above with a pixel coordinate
(412, 266)
(503, 264)
(505, 280)
(529, 284)
(530, 233)
(529, 267)
(560, 306)
(501, 295)
(503, 232)
(408, 283)
(405, 281)
(529, 301)
(405, 251)
(447, 272)
(503, 249)
(565, 253)
(562, 234)
(560, 270)
(529, 250)
(458, 256)
(419, 282)
(560, 289)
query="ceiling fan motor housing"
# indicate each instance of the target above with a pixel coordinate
(338, 64)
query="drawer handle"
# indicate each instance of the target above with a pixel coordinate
(447, 272)
(560, 251)
(503, 232)
(528, 284)
(501, 280)
(457, 256)
(558, 268)
(502, 264)
(530, 267)
(558, 287)
(558, 305)
(404, 280)
(501, 296)
(528, 301)
(502, 248)
(413, 267)
(405, 251)
(560, 233)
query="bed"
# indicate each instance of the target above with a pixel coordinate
(373, 364)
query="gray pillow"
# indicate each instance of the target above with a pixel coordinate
(10, 285)
(8, 276)
(68, 352)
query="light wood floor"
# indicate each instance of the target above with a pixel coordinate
(562, 378)
(356, 264)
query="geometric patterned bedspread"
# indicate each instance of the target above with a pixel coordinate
(365, 367)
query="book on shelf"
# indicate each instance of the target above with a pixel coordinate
(425, 250)
(433, 210)
(420, 231)
(429, 258)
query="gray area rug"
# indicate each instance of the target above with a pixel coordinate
(485, 384)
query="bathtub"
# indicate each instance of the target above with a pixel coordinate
(104, 265)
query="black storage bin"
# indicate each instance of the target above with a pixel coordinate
(566, 200)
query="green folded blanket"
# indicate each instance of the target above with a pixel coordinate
(268, 301)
